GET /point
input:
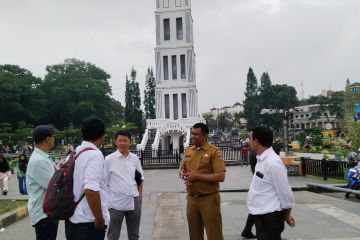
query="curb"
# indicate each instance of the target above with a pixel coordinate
(11, 217)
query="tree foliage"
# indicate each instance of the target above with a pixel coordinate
(251, 103)
(76, 89)
(149, 94)
(21, 97)
(69, 92)
(133, 112)
(349, 125)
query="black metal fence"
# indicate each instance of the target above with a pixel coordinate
(324, 168)
(172, 158)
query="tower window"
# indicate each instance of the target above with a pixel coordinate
(183, 105)
(182, 66)
(166, 67)
(179, 29)
(166, 29)
(174, 67)
(167, 106)
(176, 109)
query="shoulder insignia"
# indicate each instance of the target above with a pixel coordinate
(218, 155)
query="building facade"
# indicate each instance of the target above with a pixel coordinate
(303, 118)
(175, 92)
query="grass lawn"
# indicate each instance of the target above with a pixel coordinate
(8, 205)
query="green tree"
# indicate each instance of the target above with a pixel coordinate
(133, 112)
(149, 94)
(265, 89)
(23, 133)
(349, 125)
(251, 103)
(76, 89)
(6, 133)
(225, 120)
(21, 97)
(265, 94)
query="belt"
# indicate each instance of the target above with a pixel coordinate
(201, 195)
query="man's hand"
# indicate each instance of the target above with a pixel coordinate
(99, 223)
(290, 220)
(190, 177)
(182, 173)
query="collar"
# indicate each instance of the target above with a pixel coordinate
(41, 152)
(205, 146)
(120, 155)
(86, 144)
(266, 153)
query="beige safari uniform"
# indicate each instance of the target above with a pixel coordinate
(203, 199)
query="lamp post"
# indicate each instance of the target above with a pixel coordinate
(217, 120)
(285, 114)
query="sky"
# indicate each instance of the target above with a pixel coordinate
(314, 42)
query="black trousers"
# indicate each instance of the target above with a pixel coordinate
(249, 224)
(269, 226)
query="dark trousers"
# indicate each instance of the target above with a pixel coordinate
(250, 221)
(22, 185)
(269, 226)
(83, 231)
(46, 229)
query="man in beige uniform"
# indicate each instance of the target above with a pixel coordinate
(202, 169)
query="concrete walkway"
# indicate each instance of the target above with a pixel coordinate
(164, 210)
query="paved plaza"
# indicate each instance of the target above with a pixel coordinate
(164, 216)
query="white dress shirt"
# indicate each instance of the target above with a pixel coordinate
(89, 174)
(270, 190)
(120, 177)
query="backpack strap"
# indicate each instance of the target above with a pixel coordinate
(76, 156)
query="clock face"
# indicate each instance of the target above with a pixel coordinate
(328, 126)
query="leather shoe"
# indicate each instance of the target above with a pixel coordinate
(249, 235)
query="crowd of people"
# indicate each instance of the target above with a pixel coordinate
(107, 190)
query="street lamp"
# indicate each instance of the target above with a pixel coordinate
(285, 114)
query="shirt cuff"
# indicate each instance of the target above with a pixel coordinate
(92, 186)
(287, 206)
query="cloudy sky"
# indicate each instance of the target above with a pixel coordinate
(316, 42)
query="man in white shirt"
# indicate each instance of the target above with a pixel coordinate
(91, 216)
(270, 198)
(125, 191)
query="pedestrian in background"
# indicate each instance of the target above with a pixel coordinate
(5, 174)
(21, 167)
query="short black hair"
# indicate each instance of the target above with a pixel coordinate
(263, 134)
(92, 128)
(122, 133)
(204, 128)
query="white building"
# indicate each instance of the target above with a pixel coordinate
(236, 108)
(302, 118)
(175, 92)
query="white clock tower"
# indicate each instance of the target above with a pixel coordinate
(175, 92)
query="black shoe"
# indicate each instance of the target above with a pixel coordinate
(249, 235)
(347, 195)
(5, 192)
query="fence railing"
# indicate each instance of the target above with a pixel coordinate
(172, 158)
(324, 168)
